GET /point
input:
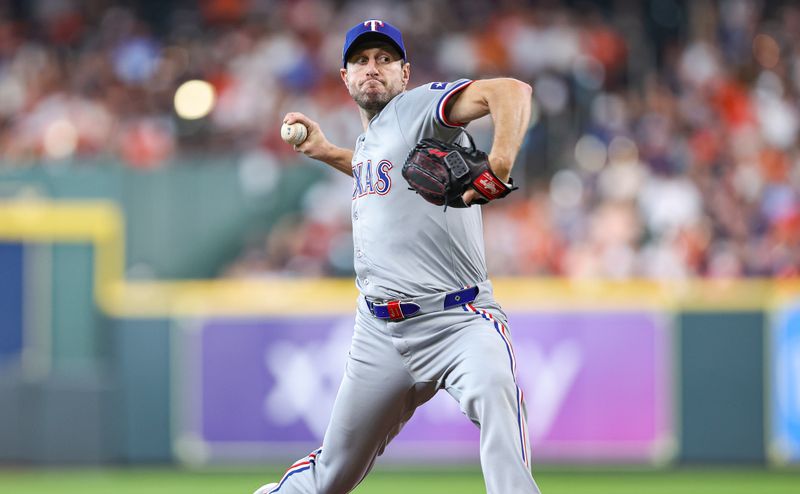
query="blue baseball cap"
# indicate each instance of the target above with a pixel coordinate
(369, 30)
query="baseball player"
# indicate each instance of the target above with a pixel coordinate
(426, 317)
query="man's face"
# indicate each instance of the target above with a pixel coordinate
(374, 75)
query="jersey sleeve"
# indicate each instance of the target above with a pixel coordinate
(421, 111)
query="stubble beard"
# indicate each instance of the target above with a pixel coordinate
(374, 103)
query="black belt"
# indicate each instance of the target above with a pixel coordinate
(396, 310)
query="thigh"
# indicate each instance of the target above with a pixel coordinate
(483, 362)
(376, 396)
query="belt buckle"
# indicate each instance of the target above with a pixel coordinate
(395, 312)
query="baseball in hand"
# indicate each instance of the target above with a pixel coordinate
(294, 133)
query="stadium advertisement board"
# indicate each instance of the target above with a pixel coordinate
(597, 387)
(785, 440)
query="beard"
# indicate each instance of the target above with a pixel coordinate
(374, 102)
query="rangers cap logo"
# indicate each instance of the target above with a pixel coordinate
(373, 24)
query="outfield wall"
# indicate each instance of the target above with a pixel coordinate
(98, 368)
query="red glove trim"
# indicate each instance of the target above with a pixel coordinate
(489, 186)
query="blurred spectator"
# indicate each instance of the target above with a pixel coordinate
(664, 141)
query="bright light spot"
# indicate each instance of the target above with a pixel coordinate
(60, 139)
(194, 99)
(566, 189)
(590, 153)
(766, 50)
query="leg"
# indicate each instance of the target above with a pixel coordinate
(483, 381)
(376, 397)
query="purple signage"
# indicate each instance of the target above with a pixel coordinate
(597, 387)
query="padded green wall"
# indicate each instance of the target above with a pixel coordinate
(722, 387)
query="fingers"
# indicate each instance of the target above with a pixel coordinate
(315, 142)
(303, 148)
(469, 196)
(294, 117)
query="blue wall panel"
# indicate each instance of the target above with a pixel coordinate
(11, 290)
(786, 386)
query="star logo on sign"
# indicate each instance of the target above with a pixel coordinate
(550, 375)
(306, 379)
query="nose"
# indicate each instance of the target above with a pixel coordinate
(372, 67)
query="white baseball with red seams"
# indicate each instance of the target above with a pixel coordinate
(294, 133)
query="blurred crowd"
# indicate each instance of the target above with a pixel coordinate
(664, 140)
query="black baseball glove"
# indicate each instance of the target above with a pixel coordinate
(441, 172)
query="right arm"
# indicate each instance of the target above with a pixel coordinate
(318, 147)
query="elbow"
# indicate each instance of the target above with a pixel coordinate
(519, 87)
(519, 91)
(505, 87)
(526, 88)
(526, 92)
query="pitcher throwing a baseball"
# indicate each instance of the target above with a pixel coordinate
(426, 318)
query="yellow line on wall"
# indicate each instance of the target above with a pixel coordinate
(207, 298)
(101, 224)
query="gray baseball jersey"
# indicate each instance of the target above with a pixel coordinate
(405, 246)
(412, 254)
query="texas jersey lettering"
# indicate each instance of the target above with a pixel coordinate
(364, 183)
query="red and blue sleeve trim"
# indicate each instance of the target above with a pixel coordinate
(441, 107)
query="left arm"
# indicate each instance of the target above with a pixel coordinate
(509, 103)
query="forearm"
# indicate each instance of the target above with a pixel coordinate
(509, 103)
(338, 158)
(510, 107)
(317, 146)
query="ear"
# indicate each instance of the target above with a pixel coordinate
(343, 73)
(406, 74)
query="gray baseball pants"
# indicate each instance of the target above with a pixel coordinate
(394, 367)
